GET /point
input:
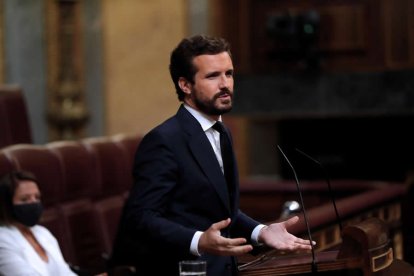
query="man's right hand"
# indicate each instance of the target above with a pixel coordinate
(212, 242)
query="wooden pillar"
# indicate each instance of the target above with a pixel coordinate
(67, 111)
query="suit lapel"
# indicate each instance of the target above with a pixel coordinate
(234, 185)
(30, 254)
(204, 154)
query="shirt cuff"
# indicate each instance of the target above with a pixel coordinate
(194, 243)
(255, 234)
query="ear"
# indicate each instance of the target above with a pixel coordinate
(185, 85)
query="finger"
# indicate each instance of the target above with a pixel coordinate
(221, 224)
(304, 246)
(302, 241)
(242, 249)
(291, 221)
(307, 245)
(236, 250)
(308, 242)
(235, 241)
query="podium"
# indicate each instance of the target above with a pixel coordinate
(365, 250)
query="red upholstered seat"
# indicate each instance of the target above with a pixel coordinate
(113, 167)
(53, 220)
(43, 164)
(84, 185)
(79, 170)
(14, 122)
(108, 213)
(84, 235)
(129, 143)
(5, 164)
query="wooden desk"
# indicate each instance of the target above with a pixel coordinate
(366, 251)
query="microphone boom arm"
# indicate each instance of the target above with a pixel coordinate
(314, 265)
(338, 218)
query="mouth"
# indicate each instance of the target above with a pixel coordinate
(224, 95)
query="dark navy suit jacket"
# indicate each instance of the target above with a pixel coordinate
(179, 189)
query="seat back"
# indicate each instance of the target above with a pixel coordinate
(128, 143)
(84, 185)
(14, 121)
(80, 171)
(108, 213)
(53, 220)
(112, 164)
(84, 235)
(5, 164)
(43, 164)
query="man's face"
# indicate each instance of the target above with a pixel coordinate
(212, 91)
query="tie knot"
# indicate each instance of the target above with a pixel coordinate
(219, 127)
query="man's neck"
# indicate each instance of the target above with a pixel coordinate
(194, 108)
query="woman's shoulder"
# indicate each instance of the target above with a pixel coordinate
(8, 234)
(5, 229)
(41, 230)
(9, 231)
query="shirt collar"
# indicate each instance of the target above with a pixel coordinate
(205, 122)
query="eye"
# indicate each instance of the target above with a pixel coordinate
(24, 199)
(212, 75)
(230, 73)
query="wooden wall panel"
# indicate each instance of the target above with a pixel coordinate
(343, 28)
(399, 33)
(355, 35)
(346, 37)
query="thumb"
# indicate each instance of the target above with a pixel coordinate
(221, 224)
(291, 221)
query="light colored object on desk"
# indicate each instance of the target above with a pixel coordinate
(290, 208)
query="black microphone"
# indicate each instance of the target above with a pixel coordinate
(338, 218)
(314, 265)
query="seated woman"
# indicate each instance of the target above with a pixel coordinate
(25, 247)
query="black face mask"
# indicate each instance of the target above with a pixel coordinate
(28, 214)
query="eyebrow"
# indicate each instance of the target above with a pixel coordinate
(215, 73)
(212, 74)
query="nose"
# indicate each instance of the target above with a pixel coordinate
(224, 82)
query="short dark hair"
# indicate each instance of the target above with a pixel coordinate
(181, 62)
(8, 186)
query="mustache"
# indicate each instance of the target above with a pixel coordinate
(222, 92)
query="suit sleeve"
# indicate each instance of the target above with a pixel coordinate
(243, 226)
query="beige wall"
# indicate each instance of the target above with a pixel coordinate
(138, 36)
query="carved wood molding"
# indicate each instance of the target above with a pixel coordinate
(67, 112)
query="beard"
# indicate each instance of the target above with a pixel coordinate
(214, 106)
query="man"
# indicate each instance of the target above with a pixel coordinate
(185, 201)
